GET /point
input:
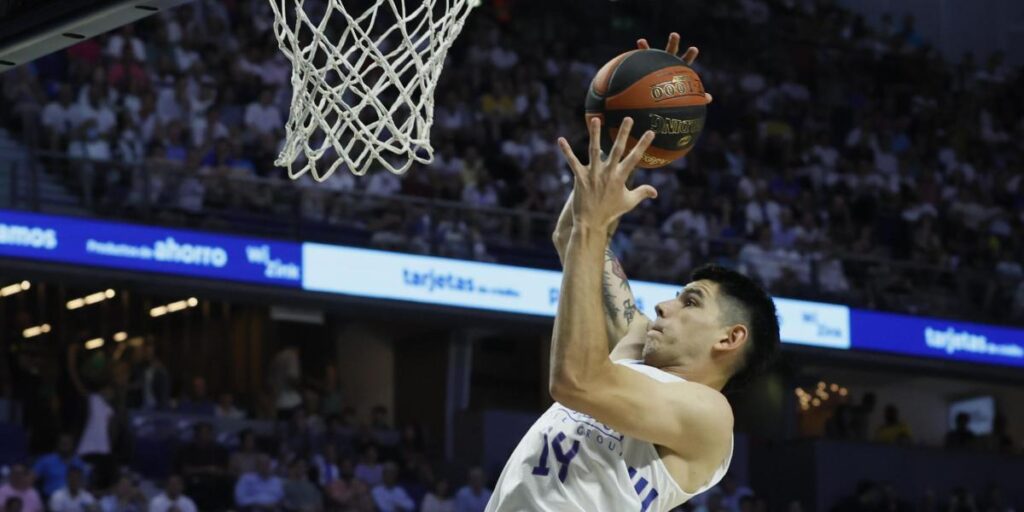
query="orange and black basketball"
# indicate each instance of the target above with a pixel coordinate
(660, 92)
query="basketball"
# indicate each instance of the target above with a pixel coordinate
(660, 92)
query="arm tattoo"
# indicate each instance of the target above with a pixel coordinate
(609, 300)
(628, 310)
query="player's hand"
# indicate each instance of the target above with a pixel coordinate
(672, 47)
(600, 195)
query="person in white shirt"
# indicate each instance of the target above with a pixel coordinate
(72, 497)
(123, 41)
(56, 117)
(263, 117)
(389, 496)
(173, 498)
(439, 499)
(473, 496)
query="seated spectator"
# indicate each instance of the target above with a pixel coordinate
(383, 433)
(203, 465)
(259, 490)
(893, 430)
(299, 493)
(297, 436)
(343, 491)
(173, 498)
(860, 416)
(246, 458)
(388, 495)
(19, 485)
(226, 408)
(51, 469)
(326, 464)
(961, 436)
(72, 497)
(263, 116)
(369, 470)
(126, 497)
(473, 496)
(198, 400)
(439, 499)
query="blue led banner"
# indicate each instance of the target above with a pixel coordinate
(149, 249)
(457, 283)
(937, 338)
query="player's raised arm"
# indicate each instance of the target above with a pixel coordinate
(620, 311)
(691, 419)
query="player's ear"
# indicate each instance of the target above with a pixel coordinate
(734, 337)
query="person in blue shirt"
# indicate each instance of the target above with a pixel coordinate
(259, 490)
(51, 469)
(473, 496)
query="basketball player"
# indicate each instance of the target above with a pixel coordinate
(645, 428)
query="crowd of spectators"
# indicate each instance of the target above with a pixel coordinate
(117, 438)
(897, 187)
(849, 421)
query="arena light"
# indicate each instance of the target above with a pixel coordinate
(834, 387)
(815, 402)
(11, 289)
(32, 332)
(843, 392)
(174, 307)
(94, 343)
(91, 299)
(120, 336)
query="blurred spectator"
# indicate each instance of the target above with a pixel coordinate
(173, 498)
(95, 444)
(51, 469)
(300, 494)
(202, 463)
(326, 464)
(860, 417)
(284, 379)
(259, 490)
(226, 408)
(126, 497)
(439, 499)
(263, 116)
(732, 492)
(383, 433)
(961, 436)
(867, 498)
(150, 384)
(473, 496)
(838, 426)
(197, 401)
(73, 497)
(369, 470)
(388, 495)
(246, 458)
(19, 485)
(893, 430)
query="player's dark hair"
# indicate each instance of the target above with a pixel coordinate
(759, 315)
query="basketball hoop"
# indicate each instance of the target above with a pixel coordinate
(363, 80)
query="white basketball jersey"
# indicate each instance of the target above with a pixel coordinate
(569, 461)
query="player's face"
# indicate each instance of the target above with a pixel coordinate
(686, 327)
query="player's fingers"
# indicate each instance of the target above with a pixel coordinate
(643, 44)
(709, 98)
(620, 141)
(641, 194)
(673, 43)
(594, 127)
(633, 157)
(691, 55)
(574, 163)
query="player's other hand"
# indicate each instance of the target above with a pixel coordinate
(672, 47)
(600, 195)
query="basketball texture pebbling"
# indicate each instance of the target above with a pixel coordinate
(660, 92)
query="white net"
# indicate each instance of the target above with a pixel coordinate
(363, 78)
